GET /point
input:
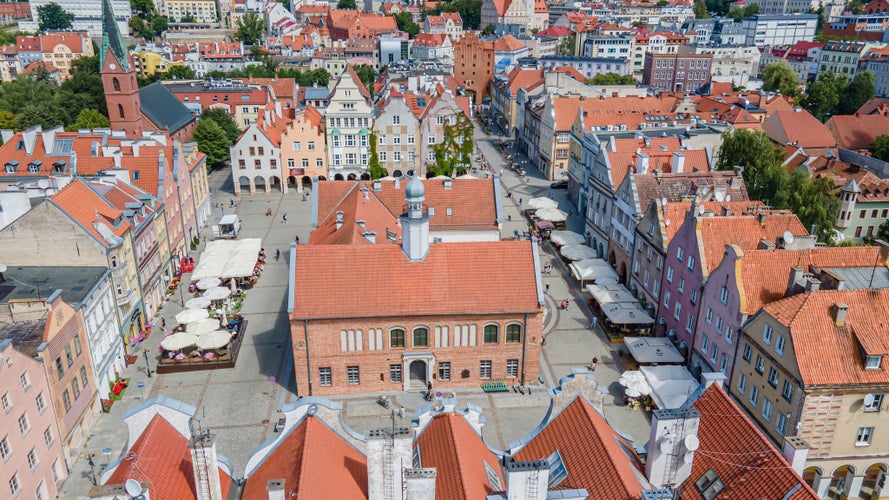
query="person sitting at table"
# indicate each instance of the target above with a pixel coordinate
(564, 304)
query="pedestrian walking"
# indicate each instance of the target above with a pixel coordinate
(593, 363)
(277, 254)
(268, 211)
(297, 239)
(231, 203)
(546, 291)
(594, 322)
(163, 324)
(520, 202)
(284, 218)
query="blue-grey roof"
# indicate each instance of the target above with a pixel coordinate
(32, 282)
(857, 278)
(162, 107)
(317, 93)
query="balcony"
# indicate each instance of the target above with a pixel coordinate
(125, 298)
(119, 273)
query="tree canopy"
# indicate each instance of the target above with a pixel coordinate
(51, 16)
(611, 79)
(835, 95)
(700, 10)
(347, 4)
(780, 76)
(89, 118)
(406, 23)
(179, 72)
(470, 11)
(879, 149)
(374, 169)
(738, 13)
(142, 7)
(250, 28)
(454, 154)
(213, 142)
(367, 74)
(225, 121)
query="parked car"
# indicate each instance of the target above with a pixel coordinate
(559, 185)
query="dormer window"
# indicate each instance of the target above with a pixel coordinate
(35, 166)
(12, 166)
(59, 166)
(873, 362)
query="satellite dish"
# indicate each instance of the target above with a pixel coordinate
(666, 445)
(869, 399)
(667, 222)
(728, 197)
(692, 442)
(701, 210)
(688, 457)
(664, 201)
(42, 184)
(2, 268)
(133, 488)
(788, 237)
(719, 195)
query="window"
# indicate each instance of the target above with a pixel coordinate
(670, 274)
(352, 375)
(304, 163)
(709, 316)
(395, 373)
(766, 410)
(382, 140)
(748, 352)
(742, 384)
(396, 139)
(75, 387)
(681, 285)
(41, 403)
(514, 333)
(484, 369)
(781, 423)
(873, 362)
(32, 459)
(430, 140)
(383, 156)
(4, 401)
(677, 311)
(723, 295)
(773, 377)
(26, 384)
(396, 120)
(864, 436)
(47, 437)
(719, 324)
(319, 162)
(491, 334)
(787, 391)
(261, 151)
(325, 377)
(754, 396)
(444, 370)
(691, 262)
(77, 347)
(396, 337)
(779, 345)
(83, 379)
(257, 164)
(714, 352)
(4, 448)
(729, 334)
(14, 485)
(310, 145)
(705, 343)
(667, 298)
(66, 400)
(767, 334)
(410, 139)
(24, 425)
(421, 337)
(874, 404)
(689, 323)
(694, 296)
(60, 368)
(760, 364)
(679, 254)
(512, 368)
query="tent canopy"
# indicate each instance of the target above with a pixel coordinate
(610, 294)
(623, 313)
(593, 270)
(671, 385)
(653, 350)
(228, 259)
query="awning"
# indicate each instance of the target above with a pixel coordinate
(610, 294)
(228, 259)
(593, 270)
(653, 350)
(544, 224)
(626, 314)
(671, 385)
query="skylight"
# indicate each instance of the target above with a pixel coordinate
(709, 485)
(557, 470)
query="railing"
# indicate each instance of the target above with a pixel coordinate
(124, 298)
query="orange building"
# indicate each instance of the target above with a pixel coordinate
(474, 64)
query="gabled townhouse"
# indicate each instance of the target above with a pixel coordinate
(445, 110)
(522, 14)
(349, 117)
(842, 57)
(747, 280)
(256, 157)
(62, 47)
(433, 47)
(303, 149)
(397, 131)
(448, 23)
(797, 127)
(504, 91)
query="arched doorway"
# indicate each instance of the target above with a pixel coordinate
(873, 476)
(244, 184)
(396, 173)
(276, 183)
(417, 374)
(623, 273)
(840, 482)
(322, 178)
(410, 173)
(612, 259)
(365, 176)
(338, 177)
(352, 177)
(259, 183)
(291, 181)
(306, 183)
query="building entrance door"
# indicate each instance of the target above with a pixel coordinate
(418, 375)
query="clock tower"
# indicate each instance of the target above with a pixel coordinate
(119, 78)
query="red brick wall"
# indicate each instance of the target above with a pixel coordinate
(325, 351)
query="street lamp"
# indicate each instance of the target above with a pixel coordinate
(147, 366)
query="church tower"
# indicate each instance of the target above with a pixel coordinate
(415, 223)
(118, 77)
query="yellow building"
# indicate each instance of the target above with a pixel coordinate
(810, 370)
(203, 11)
(60, 48)
(151, 63)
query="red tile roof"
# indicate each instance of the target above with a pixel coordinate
(765, 273)
(450, 444)
(597, 458)
(799, 127)
(831, 355)
(315, 462)
(858, 132)
(86, 207)
(161, 456)
(430, 39)
(743, 457)
(745, 231)
(508, 43)
(355, 207)
(378, 280)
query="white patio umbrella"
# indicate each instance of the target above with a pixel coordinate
(632, 393)
(632, 376)
(217, 293)
(203, 326)
(551, 214)
(197, 303)
(191, 315)
(214, 340)
(542, 203)
(578, 252)
(566, 238)
(206, 283)
(179, 341)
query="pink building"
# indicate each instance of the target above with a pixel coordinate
(32, 463)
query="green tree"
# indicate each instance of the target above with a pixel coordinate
(406, 23)
(566, 46)
(856, 6)
(858, 92)
(374, 169)
(883, 231)
(7, 120)
(488, 30)
(178, 72)
(701, 10)
(662, 3)
(23, 91)
(89, 119)
(250, 28)
(347, 4)
(142, 7)
(470, 11)
(453, 156)
(45, 114)
(823, 96)
(159, 24)
(367, 74)
(137, 24)
(611, 79)
(754, 151)
(718, 7)
(879, 149)
(213, 142)
(225, 121)
(780, 76)
(51, 16)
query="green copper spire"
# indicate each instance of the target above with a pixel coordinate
(111, 38)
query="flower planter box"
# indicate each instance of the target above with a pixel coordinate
(106, 405)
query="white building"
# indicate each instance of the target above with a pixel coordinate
(779, 29)
(832, 8)
(735, 64)
(87, 15)
(349, 119)
(203, 11)
(256, 157)
(103, 330)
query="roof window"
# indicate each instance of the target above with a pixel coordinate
(709, 485)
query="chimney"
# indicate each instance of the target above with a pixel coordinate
(812, 283)
(523, 480)
(205, 466)
(678, 162)
(339, 219)
(796, 451)
(448, 184)
(671, 446)
(275, 489)
(370, 236)
(796, 275)
(839, 313)
(612, 144)
(388, 453)
(397, 183)
(765, 244)
(641, 163)
(710, 378)
(420, 484)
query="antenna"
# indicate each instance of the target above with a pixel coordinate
(788, 237)
(869, 399)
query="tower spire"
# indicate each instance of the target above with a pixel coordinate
(111, 38)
